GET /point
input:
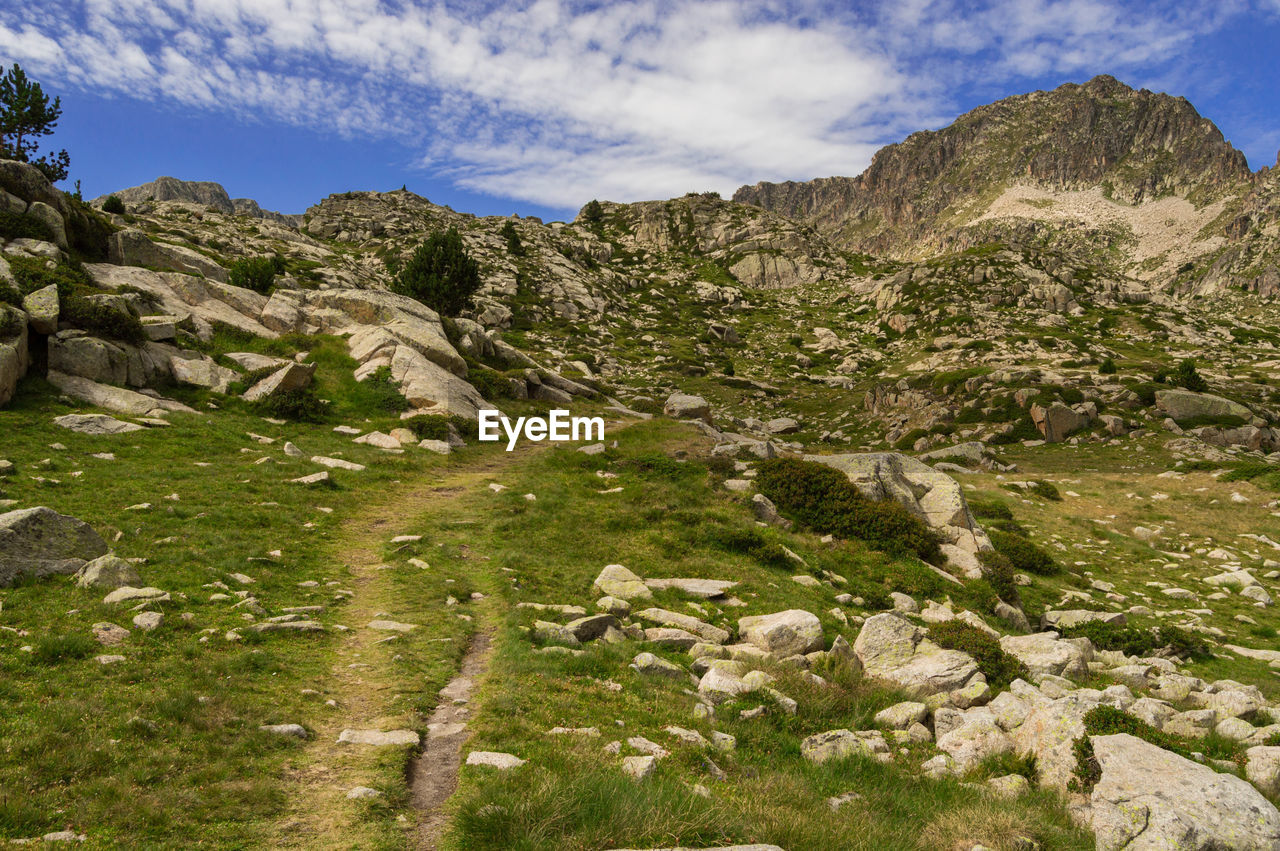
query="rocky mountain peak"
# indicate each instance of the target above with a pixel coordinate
(1132, 145)
(203, 192)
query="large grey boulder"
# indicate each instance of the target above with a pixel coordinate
(682, 406)
(1149, 799)
(1067, 618)
(181, 295)
(1050, 732)
(41, 542)
(14, 355)
(95, 424)
(201, 372)
(116, 399)
(616, 581)
(1045, 654)
(894, 650)
(133, 248)
(1058, 421)
(52, 219)
(291, 376)
(1182, 405)
(108, 573)
(934, 497)
(27, 182)
(42, 309)
(783, 633)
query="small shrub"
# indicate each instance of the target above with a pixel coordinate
(489, 383)
(908, 440)
(440, 274)
(989, 509)
(1107, 367)
(113, 204)
(22, 226)
(102, 318)
(1187, 376)
(302, 405)
(383, 393)
(823, 498)
(999, 572)
(428, 426)
(514, 246)
(998, 667)
(254, 273)
(1022, 553)
(1161, 641)
(751, 542)
(1045, 490)
(655, 465)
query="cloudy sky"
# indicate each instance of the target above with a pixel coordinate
(537, 107)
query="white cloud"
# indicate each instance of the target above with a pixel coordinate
(556, 102)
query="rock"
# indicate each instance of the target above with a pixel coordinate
(639, 767)
(662, 617)
(495, 759)
(439, 447)
(201, 372)
(107, 573)
(616, 581)
(292, 376)
(290, 731)
(895, 650)
(108, 634)
(681, 406)
(95, 424)
(379, 738)
(42, 309)
(1074, 617)
(1057, 421)
(723, 681)
(391, 626)
(1263, 768)
(782, 425)
(132, 248)
(147, 621)
(707, 589)
(52, 219)
(378, 439)
(1045, 654)
(1009, 786)
(840, 744)
(313, 479)
(337, 463)
(617, 607)
(976, 739)
(362, 793)
(1049, 733)
(671, 638)
(41, 542)
(116, 399)
(591, 627)
(934, 497)
(252, 361)
(783, 633)
(1149, 798)
(900, 716)
(650, 665)
(1182, 405)
(129, 594)
(15, 357)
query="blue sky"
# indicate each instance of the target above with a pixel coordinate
(537, 107)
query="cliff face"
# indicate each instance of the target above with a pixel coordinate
(1133, 145)
(203, 192)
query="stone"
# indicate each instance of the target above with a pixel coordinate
(292, 376)
(671, 638)
(1049, 733)
(131, 247)
(707, 589)
(722, 682)
(662, 617)
(129, 594)
(391, 626)
(932, 496)
(1058, 421)
(900, 716)
(1074, 617)
(1045, 654)
(1263, 768)
(896, 651)
(840, 744)
(682, 406)
(378, 439)
(117, 399)
(108, 634)
(147, 621)
(1182, 405)
(495, 759)
(107, 573)
(440, 447)
(362, 793)
(639, 767)
(978, 738)
(591, 627)
(379, 738)
(42, 309)
(313, 479)
(615, 606)
(1149, 798)
(1009, 786)
(95, 424)
(41, 542)
(337, 463)
(289, 731)
(52, 219)
(201, 372)
(651, 665)
(783, 634)
(616, 581)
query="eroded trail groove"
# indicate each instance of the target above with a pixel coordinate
(434, 775)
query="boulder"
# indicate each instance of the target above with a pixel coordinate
(42, 309)
(840, 744)
(1045, 654)
(202, 372)
(108, 573)
(132, 248)
(1149, 798)
(95, 424)
(1064, 619)
(1263, 768)
(14, 355)
(41, 542)
(1050, 732)
(682, 406)
(292, 376)
(1183, 405)
(1058, 421)
(934, 497)
(705, 631)
(113, 398)
(783, 633)
(616, 581)
(29, 183)
(893, 649)
(975, 739)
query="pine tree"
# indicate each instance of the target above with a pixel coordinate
(25, 115)
(440, 274)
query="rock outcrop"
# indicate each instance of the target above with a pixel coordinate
(41, 542)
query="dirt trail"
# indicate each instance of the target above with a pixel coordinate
(435, 772)
(361, 679)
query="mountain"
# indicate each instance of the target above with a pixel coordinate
(1088, 165)
(203, 192)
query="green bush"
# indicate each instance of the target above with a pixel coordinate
(440, 274)
(1022, 553)
(989, 509)
(751, 542)
(30, 274)
(1160, 641)
(489, 383)
(428, 426)
(998, 667)
(113, 204)
(22, 226)
(1107, 367)
(823, 498)
(1188, 377)
(656, 465)
(514, 246)
(302, 405)
(52, 649)
(255, 273)
(102, 318)
(383, 393)
(999, 573)
(1045, 490)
